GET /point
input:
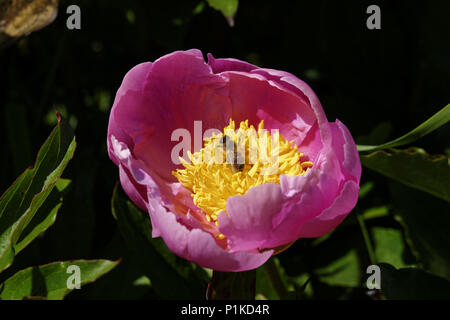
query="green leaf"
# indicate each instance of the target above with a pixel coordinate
(375, 212)
(414, 169)
(344, 271)
(437, 120)
(20, 203)
(264, 289)
(44, 218)
(232, 286)
(277, 279)
(340, 259)
(171, 276)
(412, 284)
(389, 246)
(50, 280)
(127, 281)
(227, 7)
(425, 220)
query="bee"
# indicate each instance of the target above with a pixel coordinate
(237, 163)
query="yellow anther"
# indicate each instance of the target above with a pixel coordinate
(212, 182)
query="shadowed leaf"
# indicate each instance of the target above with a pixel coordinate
(232, 285)
(414, 169)
(412, 284)
(171, 276)
(425, 220)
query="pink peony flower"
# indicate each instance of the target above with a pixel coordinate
(217, 215)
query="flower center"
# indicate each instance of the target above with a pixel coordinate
(232, 162)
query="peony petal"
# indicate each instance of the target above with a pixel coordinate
(133, 80)
(254, 98)
(200, 247)
(179, 90)
(136, 192)
(315, 195)
(249, 220)
(331, 217)
(229, 64)
(345, 149)
(303, 90)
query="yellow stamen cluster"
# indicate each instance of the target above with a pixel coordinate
(215, 173)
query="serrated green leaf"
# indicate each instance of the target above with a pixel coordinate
(412, 284)
(414, 169)
(165, 270)
(50, 280)
(20, 203)
(437, 120)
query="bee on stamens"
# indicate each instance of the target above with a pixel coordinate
(237, 164)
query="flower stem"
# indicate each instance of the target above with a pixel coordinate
(273, 274)
(366, 237)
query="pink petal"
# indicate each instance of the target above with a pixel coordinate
(316, 192)
(229, 64)
(254, 98)
(345, 149)
(179, 90)
(302, 89)
(136, 192)
(133, 80)
(200, 247)
(331, 217)
(249, 220)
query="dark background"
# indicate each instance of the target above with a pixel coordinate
(390, 79)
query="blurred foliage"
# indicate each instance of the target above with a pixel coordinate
(21, 17)
(380, 83)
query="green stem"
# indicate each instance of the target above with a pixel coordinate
(273, 274)
(366, 237)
